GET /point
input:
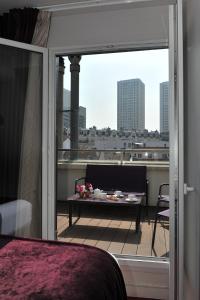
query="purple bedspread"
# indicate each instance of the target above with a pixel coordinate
(31, 269)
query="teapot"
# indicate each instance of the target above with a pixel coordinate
(97, 192)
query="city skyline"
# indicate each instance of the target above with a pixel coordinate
(99, 75)
(128, 100)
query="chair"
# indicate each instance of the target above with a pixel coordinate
(163, 201)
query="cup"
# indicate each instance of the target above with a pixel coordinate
(131, 196)
(118, 193)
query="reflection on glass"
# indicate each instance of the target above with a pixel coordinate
(21, 141)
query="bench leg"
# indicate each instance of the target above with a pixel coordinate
(70, 214)
(79, 212)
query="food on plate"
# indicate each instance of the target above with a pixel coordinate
(112, 197)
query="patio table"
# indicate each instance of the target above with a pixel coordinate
(121, 202)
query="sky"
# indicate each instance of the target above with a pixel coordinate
(99, 74)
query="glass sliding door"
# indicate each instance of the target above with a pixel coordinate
(22, 136)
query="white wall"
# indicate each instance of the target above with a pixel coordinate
(145, 278)
(192, 147)
(125, 26)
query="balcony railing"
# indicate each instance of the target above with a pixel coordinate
(119, 156)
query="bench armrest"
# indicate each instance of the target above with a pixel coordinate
(147, 193)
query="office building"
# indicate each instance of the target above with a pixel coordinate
(130, 104)
(164, 107)
(82, 117)
(67, 107)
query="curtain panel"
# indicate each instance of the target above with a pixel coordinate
(30, 183)
(19, 24)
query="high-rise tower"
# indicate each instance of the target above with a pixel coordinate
(164, 107)
(67, 113)
(130, 104)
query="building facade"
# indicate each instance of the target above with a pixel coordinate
(164, 107)
(130, 104)
(82, 117)
(67, 108)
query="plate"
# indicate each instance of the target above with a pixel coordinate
(131, 200)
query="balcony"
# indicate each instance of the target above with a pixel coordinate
(109, 228)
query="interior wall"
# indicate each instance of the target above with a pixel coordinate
(116, 27)
(192, 147)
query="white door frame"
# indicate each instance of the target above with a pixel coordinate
(45, 117)
(135, 266)
(176, 136)
(180, 121)
(173, 175)
(176, 152)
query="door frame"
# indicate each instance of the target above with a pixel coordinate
(53, 53)
(176, 152)
(176, 139)
(156, 269)
(45, 118)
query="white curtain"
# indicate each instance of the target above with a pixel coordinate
(30, 173)
(41, 33)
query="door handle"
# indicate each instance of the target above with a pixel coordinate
(188, 189)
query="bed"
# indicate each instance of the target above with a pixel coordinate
(36, 269)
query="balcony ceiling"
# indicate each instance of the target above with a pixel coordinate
(5, 5)
(8, 4)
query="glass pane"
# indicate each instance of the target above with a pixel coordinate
(21, 141)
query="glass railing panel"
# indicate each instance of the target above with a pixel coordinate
(119, 156)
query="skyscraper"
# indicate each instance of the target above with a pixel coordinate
(164, 107)
(82, 117)
(130, 104)
(67, 106)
